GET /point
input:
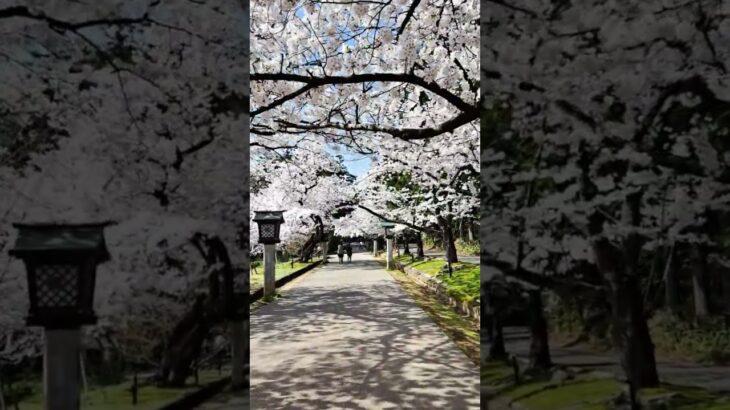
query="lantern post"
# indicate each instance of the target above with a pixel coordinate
(61, 261)
(269, 223)
(387, 226)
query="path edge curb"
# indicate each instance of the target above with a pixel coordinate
(259, 293)
(472, 310)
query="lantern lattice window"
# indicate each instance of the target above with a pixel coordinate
(268, 231)
(57, 285)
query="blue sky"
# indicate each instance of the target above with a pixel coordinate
(357, 164)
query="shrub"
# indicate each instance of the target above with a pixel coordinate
(706, 342)
(429, 243)
(467, 247)
(564, 320)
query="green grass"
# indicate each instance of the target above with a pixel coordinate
(586, 393)
(282, 269)
(495, 373)
(690, 398)
(118, 397)
(462, 285)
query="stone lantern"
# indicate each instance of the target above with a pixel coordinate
(388, 226)
(60, 262)
(269, 223)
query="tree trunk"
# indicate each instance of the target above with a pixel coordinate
(308, 249)
(539, 345)
(470, 231)
(699, 282)
(448, 239)
(184, 345)
(311, 244)
(630, 332)
(497, 350)
(406, 247)
(671, 294)
(186, 341)
(419, 246)
(725, 277)
(239, 344)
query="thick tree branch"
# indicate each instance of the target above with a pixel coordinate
(409, 15)
(406, 134)
(535, 279)
(23, 12)
(504, 3)
(56, 24)
(367, 78)
(408, 224)
(181, 154)
(695, 85)
(575, 112)
(282, 100)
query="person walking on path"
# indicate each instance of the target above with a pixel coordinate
(348, 249)
(340, 252)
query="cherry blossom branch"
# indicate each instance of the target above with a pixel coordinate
(695, 84)
(536, 279)
(396, 221)
(364, 78)
(402, 133)
(407, 18)
(282, 100)
(24, 12)
(504, 3)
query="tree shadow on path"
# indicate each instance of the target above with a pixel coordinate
(348, 337)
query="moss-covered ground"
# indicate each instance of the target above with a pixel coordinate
(119, 396)
(462, 284)
(585, 391)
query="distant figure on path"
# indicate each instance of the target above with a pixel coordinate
(348, 249)
(340, 252)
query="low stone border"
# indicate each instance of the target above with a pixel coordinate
(199, 396)
(259, 293)
(438, 288)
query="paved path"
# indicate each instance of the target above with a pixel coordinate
(347, 337)
(517, 341)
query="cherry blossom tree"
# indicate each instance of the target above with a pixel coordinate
(344, 70)
(393, 80)
(118, 107)
(605, 124)
(307, 183)
(426, 186)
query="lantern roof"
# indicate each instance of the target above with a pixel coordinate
(44, 237)
(269, 216)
